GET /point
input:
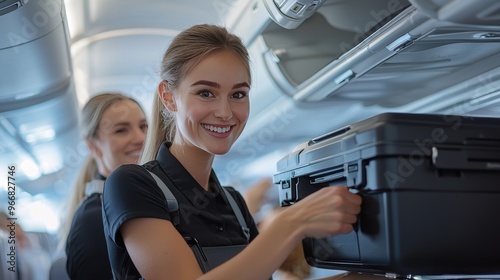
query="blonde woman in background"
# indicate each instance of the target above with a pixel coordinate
(114, 127)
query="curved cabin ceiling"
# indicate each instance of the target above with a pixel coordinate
(314, 73)
(114, 50)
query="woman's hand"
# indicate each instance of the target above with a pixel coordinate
(329, 211)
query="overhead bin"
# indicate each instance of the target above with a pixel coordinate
(38, 105)
(34, 50)
(383, 52)
(7, 6)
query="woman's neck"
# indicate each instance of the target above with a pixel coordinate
(196, 161)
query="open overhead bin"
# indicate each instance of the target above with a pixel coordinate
(384, 52)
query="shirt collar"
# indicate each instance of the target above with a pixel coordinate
(94, 186)
(181, 178)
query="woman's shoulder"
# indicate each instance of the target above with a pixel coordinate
(127, 172)
(128, 176)
(135, 181)
(129, 169)
(131, 192)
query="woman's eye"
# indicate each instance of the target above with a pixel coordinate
(121, 130)
(205, 93)
(239, 95)
(144, 127)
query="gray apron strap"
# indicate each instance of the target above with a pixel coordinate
(172, 205)
(239, 215)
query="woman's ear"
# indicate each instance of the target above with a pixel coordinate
(166, 96)
(93, 149)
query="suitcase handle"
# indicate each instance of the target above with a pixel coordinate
(329, 135)
(461, 159)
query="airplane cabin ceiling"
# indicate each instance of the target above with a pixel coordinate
(350, 60)
(118, 45)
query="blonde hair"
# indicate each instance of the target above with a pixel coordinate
(91, 116)
(295, 265)
(186, 50)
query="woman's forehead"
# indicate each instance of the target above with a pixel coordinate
(219, 66)
(122, 110)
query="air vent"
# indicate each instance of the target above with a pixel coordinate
(7, 6)
(290, 13)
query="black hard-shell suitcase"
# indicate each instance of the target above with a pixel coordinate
(431, 193)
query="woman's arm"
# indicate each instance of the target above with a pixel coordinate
(160, 252)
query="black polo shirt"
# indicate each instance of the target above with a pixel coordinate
(87, 256)
(130, 192)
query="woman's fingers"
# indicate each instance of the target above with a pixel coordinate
(329, 211)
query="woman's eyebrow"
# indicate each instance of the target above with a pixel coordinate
(123, 123)
(206, 83)
(216, 85)
(240, 85)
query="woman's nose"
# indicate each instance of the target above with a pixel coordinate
(139, 135)
(223, 110)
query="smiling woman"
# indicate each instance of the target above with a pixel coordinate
(114, 128)
(227, 100)
(206, 84)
